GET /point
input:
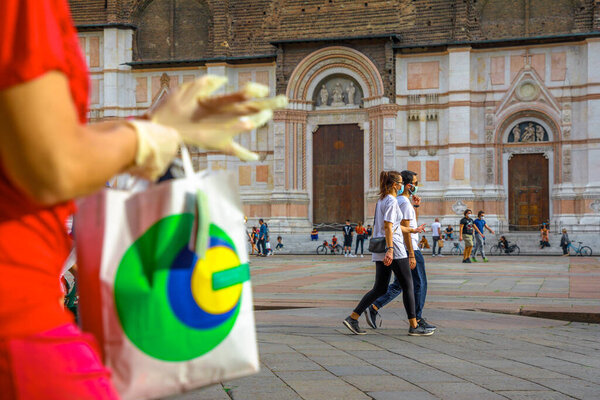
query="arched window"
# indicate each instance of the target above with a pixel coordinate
(173, 30)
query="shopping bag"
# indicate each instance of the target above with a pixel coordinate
(164, 284)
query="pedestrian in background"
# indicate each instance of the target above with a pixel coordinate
(348, 229)
(436, 229)
(564, 242)
(262, 238)
(545, 236)
(361, 232)
(480, 226)
(465, 232)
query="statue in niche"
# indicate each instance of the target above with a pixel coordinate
(324, 93)
(539, 133)
(350, 90)
(516, 134)
(338, 97)
(528, 133)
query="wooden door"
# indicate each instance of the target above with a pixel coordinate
(338, 184)
(528, 193)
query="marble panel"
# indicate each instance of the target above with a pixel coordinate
(173, 82)
(414, 166)
(262, 138)
(558, 66)
(82, 44)
(262, 173)
(95, 91)
(432, 171)
(262, 77)
(243, 78)
(458, 172)
(141, 90)
(155, 86)
(538, 62)
(423, 75)
(94, 52)
(497, 72)
(188, 78)
(516, 64)
(245, 175)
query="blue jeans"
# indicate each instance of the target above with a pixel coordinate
(419, 284)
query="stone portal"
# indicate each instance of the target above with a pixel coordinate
(528, 199)
(338, 174)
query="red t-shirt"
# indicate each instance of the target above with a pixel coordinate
(37, 36)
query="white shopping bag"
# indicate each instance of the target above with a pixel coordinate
(165, 284)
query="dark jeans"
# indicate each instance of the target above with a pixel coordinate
(565, 248)
(359, 240)
(435, 240)
(419, 279)
(279, 246)
(261, 247)
(401, 271)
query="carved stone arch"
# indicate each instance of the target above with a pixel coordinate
(541, 116)
(334, 60)
(171, 29)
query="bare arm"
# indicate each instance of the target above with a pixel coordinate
(489, 229)
(460, 229)
(407, 238)
(389, 242)
(47, 153)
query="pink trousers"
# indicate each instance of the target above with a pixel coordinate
(62, 363)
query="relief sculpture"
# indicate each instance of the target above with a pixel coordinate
(527, 132)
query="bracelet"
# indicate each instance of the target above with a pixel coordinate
(387, 248)
(417, 206)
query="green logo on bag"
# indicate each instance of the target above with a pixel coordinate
(172, 304)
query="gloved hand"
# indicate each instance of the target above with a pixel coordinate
(212, 122)
(157, 145)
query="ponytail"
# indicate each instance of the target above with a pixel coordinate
(386, 181)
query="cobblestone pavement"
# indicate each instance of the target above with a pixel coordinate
(306, 353)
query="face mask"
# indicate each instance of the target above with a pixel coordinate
(468, 215)
(400, 191)
(413, 190)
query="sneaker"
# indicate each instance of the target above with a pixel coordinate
(419, 331)
(353, 255)
(345, 255)
(440, 255)
(473, 259)
(362, 256)
(352, 324)
(371, 316)
(485, 259)
(423, 322)
(467, 261)
(433, 255)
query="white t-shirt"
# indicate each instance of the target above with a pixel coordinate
(435, 229)
(408, 212)
(387, 209)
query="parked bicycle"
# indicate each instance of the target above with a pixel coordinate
(505, 248)
(327, 248)
(457, 250)
(585, 251)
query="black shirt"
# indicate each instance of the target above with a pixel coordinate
(467, 224)
(348, 229)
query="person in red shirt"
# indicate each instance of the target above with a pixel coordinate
(49, 156)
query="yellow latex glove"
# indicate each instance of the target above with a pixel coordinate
(157, 145)
(211, 122)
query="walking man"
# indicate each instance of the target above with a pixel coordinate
(262, 238)
(480, 225)
(415, 258)
(348, 229)
(465, 232)
(436, 232)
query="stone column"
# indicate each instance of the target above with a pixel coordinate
(591, 194)
(459, 123)
(118, 82)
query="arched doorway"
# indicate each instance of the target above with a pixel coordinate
(338, 174)
(528, 192)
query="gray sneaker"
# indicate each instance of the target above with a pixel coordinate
(419, 331)
(352, 324)
(422, 322)
(371, 315)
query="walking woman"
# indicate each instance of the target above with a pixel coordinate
(49, 156)
(388, 218)
(254, 240)
(360, 238)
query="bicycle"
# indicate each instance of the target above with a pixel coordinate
(457, 250)
(498, 249)
(326, 247)
(584, 251)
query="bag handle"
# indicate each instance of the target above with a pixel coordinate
(188, 168)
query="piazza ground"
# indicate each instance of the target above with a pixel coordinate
(485, 346)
